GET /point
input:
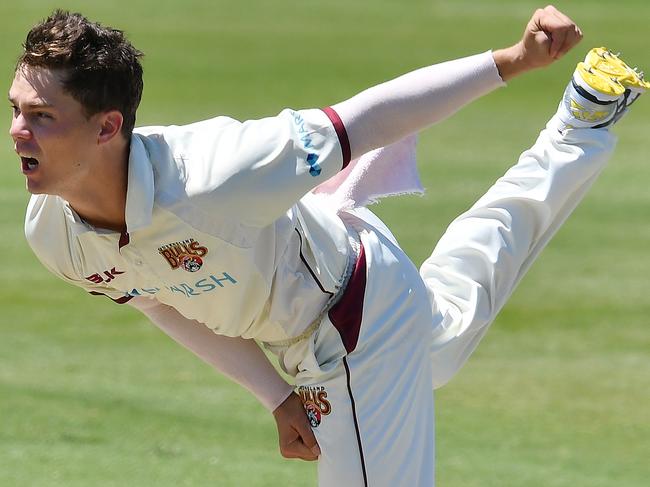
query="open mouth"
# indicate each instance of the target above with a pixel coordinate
(28, 163)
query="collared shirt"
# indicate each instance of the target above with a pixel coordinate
(220, 225)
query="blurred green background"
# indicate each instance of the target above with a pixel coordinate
(557, 395)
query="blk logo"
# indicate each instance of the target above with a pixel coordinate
(106, 276)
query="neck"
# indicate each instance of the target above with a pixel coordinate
(100, 199)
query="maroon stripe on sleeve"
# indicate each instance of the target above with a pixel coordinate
(341, 133)
(346, 314)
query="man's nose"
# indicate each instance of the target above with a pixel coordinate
(19, 128)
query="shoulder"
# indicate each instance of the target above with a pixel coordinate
(181, 156)
(183, 139)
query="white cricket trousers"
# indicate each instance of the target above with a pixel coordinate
(367, 380)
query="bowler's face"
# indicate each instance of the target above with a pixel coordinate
(51, 133)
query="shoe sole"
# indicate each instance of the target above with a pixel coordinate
(609, 75)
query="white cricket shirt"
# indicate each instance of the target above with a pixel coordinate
(219, 225)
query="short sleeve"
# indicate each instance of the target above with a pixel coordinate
(256, 170)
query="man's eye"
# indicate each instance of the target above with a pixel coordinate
(43, 115)
(15, 109)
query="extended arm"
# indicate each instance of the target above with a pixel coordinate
(239, 359)
(266, 165)
(244, 362)
(390, 111)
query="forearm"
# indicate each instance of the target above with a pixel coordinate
(241, 360)
(390, 111)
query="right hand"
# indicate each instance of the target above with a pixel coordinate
(296, 438)
(548, 36)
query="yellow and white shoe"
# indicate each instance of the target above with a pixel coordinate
(600, 92)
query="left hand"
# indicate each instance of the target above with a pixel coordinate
(548, 36)
(296, 438)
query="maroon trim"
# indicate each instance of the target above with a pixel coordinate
(346, 314)
(341, 133)
(122, 300)
(124, 239)
(356, 423)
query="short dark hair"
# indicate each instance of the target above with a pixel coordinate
(100, 67)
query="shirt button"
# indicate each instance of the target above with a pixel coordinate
(138, 262)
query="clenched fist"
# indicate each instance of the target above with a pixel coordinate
(548, 36)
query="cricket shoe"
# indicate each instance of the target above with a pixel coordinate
(600, 91)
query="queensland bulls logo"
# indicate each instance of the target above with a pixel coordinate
(191, 263)
(313, 414)
(186, 254)
(314, 399)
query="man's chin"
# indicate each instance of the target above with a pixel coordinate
(34, 188)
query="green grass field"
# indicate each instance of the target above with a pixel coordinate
(557, 395)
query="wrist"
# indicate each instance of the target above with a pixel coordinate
(510, 61)
(279, 409)
(279, 398)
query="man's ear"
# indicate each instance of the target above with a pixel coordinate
(110, 126)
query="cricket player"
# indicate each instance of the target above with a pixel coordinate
(213, 231)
